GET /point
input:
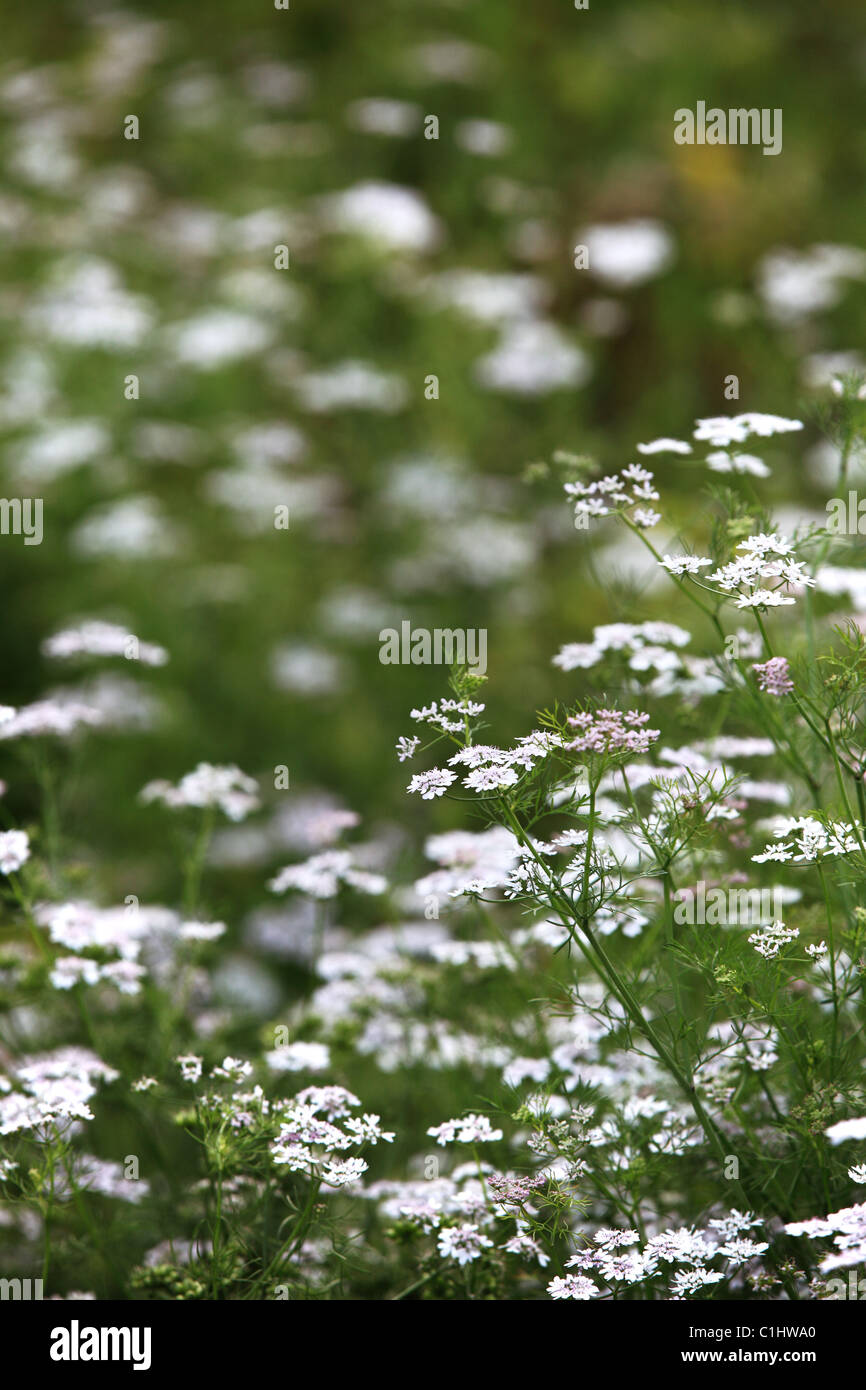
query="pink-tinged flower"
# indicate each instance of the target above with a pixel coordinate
(611, 731)
(774, 676)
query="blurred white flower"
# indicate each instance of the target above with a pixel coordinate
(626, 254)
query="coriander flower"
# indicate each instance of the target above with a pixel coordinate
(470, 1129)
(202, 931)
(14, 850)
(575, 1286)
(844, 1130)
(322, 875)
(486, 779)
(341, 1172)
(774, 676)
(684, 564)
(46, 718)
(462, 1243)
(227, 788)
(723, 430)
(190, 1067)
(689, 1281)
(433, 783)
(769, 941)
(665, 446)
(103, 639)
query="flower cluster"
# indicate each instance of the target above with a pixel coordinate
(440, 715)
(51, 1090)
(103, 639)
(624, 493)
(646, 646)
(807, 840)
(322, 876)
(608, 1258)
(469, 1129)
(309, 1142)
(760, 576)
(610, 731)
(848, 1230)
(226, 788)
(768, 942)
(774, 676)
(54, 718)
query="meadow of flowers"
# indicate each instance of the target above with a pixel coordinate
(326, 976)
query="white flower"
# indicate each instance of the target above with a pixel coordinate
(340, 1172)
(103, 639)
(688, 1281)
(470, 1129)
(49, 717)
(14, 850)
(202, 931)
(407, 747)
(684, 564)
(769, 941)
(233, 1069)
(386, 213)
(217, 337)
(462, 1243)
(493, 778)
(572, 1286)
(533, 358)
(523, 1244)
(577, 656)
(351, 385)
(723, 430)
(322, 875)
(69, 971)
(665, 446)
(227, 788)
(625, 254)
(433, 783)
(738, 1249)
(300, 1056)
(844, 1130)
(723, 462)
